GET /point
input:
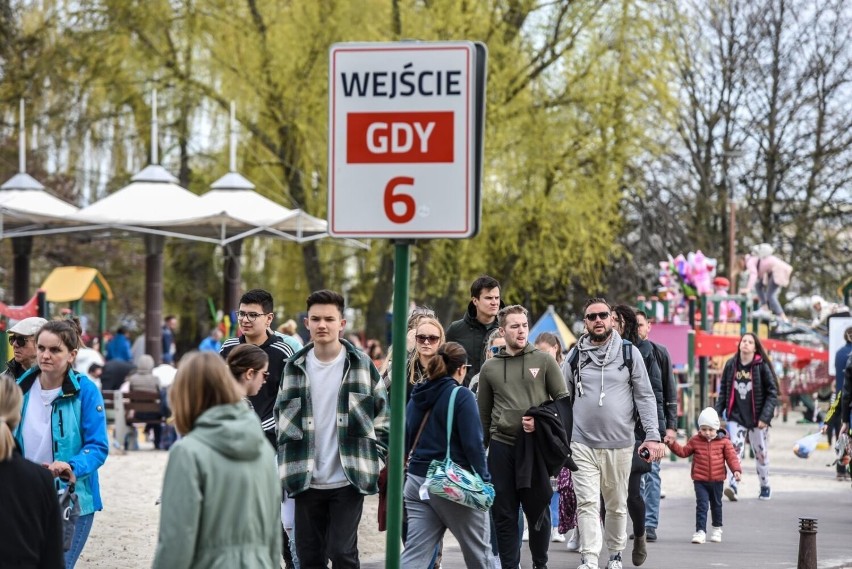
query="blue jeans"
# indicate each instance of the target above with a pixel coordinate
(708, 493)
(81, 534)
(651, 495)
(554, 510)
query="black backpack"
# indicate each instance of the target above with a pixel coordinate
(574, 362)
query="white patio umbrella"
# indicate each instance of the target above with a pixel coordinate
(236, 196)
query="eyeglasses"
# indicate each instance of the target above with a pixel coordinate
(494, 350)
(424, 339)
(592, 316)
(21, 341)
(250, 316)
(266, 375)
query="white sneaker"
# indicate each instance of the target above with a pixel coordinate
(615, 562)
(573, 540)
(526, 535)
(556, 536)
(588, 563)
(716, 535)
(699, 537)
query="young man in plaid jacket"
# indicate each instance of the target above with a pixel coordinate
(333, 419)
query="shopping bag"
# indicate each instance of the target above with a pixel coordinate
(806, 445)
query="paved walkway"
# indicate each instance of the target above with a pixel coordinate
(758, 534)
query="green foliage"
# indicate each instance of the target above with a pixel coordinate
(577, 92)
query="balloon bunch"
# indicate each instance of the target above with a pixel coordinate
(685, 276)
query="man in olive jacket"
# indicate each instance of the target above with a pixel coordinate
(517, 378)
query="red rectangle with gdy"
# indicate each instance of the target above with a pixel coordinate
(399, 138)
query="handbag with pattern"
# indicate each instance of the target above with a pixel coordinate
(448, 480)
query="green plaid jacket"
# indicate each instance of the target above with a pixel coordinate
(363, 421)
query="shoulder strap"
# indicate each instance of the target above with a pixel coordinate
(574, 362)
(450, 412)
(417, 436)
(627, 356)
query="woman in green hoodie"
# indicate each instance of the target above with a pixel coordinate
(221, 496)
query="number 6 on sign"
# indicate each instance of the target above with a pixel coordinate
(392, 198)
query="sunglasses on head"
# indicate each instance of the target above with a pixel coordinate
(592, 316)
(423, 338)
(21, 341)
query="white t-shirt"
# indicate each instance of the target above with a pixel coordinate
(324, 379)
(37, 435)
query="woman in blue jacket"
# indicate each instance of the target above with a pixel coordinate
(429, 519)
(63, 426)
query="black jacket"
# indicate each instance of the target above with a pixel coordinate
(264, 402)
(664, 360)
(541, 454)
(16, 369)
(655, 375)
(764, 392)
(30, 528)
(846, 396)
(472, 335)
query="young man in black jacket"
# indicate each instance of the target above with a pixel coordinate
(480, 319)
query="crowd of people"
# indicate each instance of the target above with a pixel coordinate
(280, 441)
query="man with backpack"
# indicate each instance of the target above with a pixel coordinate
(607, 388)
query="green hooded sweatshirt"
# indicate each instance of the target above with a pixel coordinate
(510, 385)
(221, 503)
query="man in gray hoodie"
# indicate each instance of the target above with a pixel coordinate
(607, 393)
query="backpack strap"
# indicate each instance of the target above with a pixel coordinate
(627, 356)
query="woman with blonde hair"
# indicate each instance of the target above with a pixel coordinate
(221, 495)
(63, 425)
(428, 337)
(29, 524)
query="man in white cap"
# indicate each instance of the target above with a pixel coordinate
(22, 339)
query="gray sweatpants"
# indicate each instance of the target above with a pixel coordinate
(427, 521)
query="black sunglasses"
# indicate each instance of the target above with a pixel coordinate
(423, 338)
(21, 341)
(592, 316)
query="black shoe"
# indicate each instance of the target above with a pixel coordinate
(544, 566)
(651, 534)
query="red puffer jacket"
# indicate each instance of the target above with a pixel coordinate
(708, 464)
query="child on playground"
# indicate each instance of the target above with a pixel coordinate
(711, 450)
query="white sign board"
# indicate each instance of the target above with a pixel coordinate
(402, 140)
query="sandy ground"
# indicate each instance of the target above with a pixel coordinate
(125, 532)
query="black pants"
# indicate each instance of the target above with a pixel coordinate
(501, 464)
(708, 493)
(636, 503)
(326, 524)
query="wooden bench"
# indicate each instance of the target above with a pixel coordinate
(129, 405)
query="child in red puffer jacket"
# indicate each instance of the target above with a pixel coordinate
(711, 449)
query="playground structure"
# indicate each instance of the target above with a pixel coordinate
(700, 347)
(72, 285)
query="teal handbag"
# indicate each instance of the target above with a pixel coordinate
(448, 480)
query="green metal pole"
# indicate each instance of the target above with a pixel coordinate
(102, 322)
(396, 473)
(743, 317)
